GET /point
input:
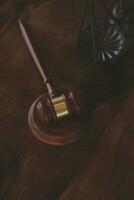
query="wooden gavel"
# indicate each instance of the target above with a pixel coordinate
(51, 108)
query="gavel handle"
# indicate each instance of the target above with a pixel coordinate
(35, 57)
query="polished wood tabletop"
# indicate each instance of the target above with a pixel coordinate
(100, 165)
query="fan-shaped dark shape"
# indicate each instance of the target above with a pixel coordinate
(108, 40)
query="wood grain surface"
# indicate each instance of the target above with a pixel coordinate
(100, 165)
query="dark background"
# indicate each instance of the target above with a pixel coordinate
(100, 166)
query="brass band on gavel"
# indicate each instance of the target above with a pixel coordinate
(60, 106)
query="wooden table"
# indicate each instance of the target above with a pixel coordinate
(100, 166)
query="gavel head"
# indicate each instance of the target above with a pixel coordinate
(57, 108)
(54, 120)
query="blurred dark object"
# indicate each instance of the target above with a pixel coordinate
(109, 34)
